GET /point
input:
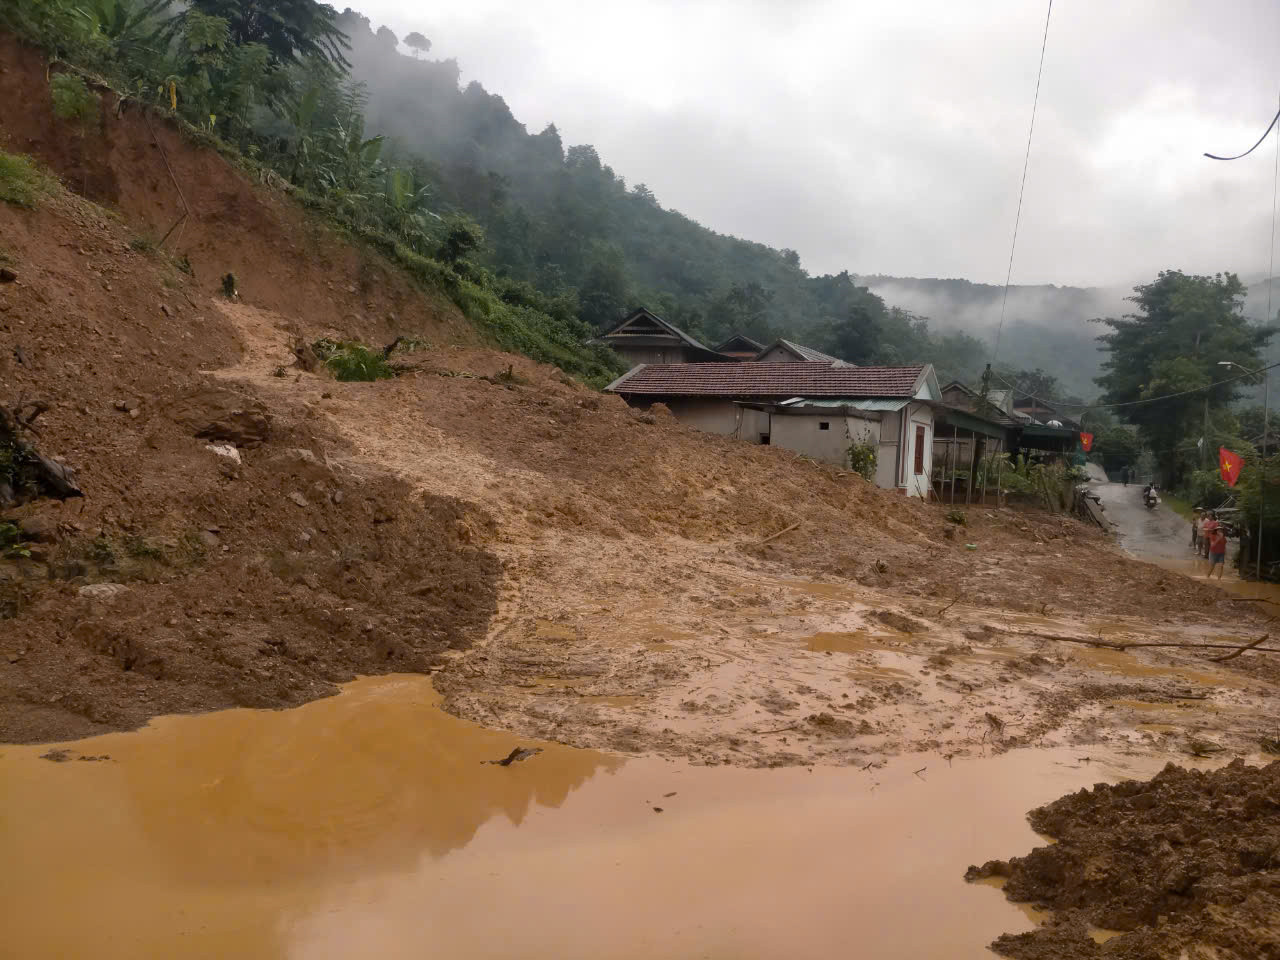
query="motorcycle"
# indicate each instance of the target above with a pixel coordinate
(1151, 498)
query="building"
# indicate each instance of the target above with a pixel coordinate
(740, 348)
(645, 337)
(816, 408)
(787, 351)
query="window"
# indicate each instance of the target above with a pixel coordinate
(764, 439)
(920, 432)
(824, 425)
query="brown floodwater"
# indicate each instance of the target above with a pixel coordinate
(369, 825)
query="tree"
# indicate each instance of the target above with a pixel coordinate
(292, 30)
(417, 43)
(1168, 352)
(387, 38)
(604, 291)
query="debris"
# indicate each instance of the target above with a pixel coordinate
(299, 499)
(1236, 653)
(657, 809)
(515, 756)
(227, 450)
(778, 534)
(7, 275)
(56, 756)
(102, 591)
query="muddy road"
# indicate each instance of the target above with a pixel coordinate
(1158, 535)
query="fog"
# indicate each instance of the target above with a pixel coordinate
(889, 140)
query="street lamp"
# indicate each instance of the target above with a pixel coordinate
(1262, 464)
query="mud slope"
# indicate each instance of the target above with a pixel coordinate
(253, 532)
(1184, 862)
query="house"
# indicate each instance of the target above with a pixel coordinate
(815, 408)
(1004, 424)
(644, 337)
(740, 347)
(787, 351)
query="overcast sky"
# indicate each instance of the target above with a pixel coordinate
(888, 138)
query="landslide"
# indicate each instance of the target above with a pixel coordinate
(1182, 865)
(344, 528)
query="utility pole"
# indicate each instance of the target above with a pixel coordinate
(1204, 436)
(1262, 464)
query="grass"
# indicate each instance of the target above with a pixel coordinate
(22, 183)
(1179, 506)
(351, 361)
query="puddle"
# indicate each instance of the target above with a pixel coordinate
(1127, 665)
(1099, 935)
(854, 641)
(1158, 728)
(549, 630)
(367, 824)
(628, 700)
(1029, 910)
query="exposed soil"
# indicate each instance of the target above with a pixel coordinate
(1184, 865)
(604, 569)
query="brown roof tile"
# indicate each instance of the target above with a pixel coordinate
(767, 380)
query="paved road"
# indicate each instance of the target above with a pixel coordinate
(1159, 535)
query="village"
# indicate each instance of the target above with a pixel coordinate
(913, 436)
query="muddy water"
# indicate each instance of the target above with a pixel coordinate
(369, 825)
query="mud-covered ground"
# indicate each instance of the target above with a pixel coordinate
(1184, 865)
(253, 532)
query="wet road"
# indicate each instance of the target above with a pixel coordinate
(1159, 535)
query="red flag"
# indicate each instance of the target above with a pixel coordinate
(1229, 463)
(1086, 441)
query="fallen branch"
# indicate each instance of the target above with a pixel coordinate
(778, 534)
(1251, 600)
(760, 733)
(949, 605)
(1122, 647)
(1236, 653)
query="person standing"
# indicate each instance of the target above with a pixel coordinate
(1196, 519)
(1217, 551)
(1207, 528)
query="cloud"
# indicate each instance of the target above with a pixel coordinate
(886, 138)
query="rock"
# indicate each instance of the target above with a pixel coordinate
(227, 450)
(7, 275)
(225, 416)
(336, 496)
(164, 308)
(299, 499)
(102, 591)
(39, 528)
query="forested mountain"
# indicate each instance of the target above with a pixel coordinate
(561, 219)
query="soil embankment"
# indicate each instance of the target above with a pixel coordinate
(1184, 862)
(609, 573)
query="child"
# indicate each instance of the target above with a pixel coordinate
(1217, 551)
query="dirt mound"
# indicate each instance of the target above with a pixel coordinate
(1183, 865)
(252, 531)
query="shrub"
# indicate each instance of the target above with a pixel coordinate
(22, 183)
(351, 361)
(862, 459)
(73, 100)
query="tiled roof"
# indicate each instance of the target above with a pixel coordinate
(800, 379)
(806, 353)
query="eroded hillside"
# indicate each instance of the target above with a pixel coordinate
(254, 532)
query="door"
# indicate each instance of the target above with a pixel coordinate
(920, 442)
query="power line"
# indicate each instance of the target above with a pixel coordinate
(1254, 147)
(1085, 407)
(1026, 160)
